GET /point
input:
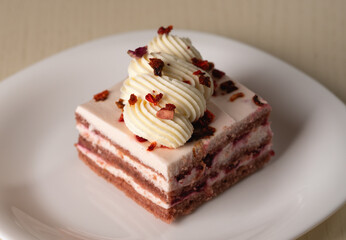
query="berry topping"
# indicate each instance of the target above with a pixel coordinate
(101, 96)
(121, 118)
(157, 65)
(217, 73)
(140, 139)
(138, 52)
(228, 86)
(203, 79)
(167, 112)
(202, 128)
(154, 99)
(133, 99)
(200, 63)
(236, 96)
(152, 146)
(257, 101)
(166, 30)
(120, 104)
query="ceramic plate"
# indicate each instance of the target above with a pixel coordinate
(47, 193)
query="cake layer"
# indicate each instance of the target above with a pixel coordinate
(232, 156)
(204, 192)
(114, 154)
(233, 118)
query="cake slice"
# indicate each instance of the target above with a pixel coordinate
(169, 151)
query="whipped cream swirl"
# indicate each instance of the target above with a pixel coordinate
(174, 45)
(174, 68)
(188, 100)
(179, 84)
(141, 119)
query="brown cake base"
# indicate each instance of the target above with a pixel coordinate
(201, 195)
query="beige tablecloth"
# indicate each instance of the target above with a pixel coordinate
(309, 34)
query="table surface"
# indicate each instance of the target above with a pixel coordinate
(309, 35)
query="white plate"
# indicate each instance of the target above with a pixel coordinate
(47, 193)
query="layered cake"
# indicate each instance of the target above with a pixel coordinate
(176, 132)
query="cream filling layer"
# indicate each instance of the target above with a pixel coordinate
(171, 184)
(121, 174)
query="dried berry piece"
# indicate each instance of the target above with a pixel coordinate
(228, 86)
(133, 99)
(120, 104)
(138, 52)
(166, 30)
(198, 72)
(121, 118)
(152, 146)
(187, 81)
(101, 96)
(154, 99)
(217, 73)
(140, 139)
(202, 128)
(204, 64)
(167, 112)
(157, 64)
(203, 79)
(236, 96)
(257, 101)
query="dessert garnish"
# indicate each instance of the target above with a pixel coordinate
(133, 99)
(152, 146)
(236, 96)
(217, 73)
(257, 101)
(140, 139)
(166, 30)
(157, 64)
(120, 104)
(101, 96)
(154, 99)
(204, 64)
(228, 86)
(138, 52)
(121, 118)
(166, 112)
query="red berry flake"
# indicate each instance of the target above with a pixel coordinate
(187, 81)
(133, 99)
(202, 128)
(154, 99)
(121, 118)
(157, 64)
(228, 86)
(200, 63)
(166, 30)
(257, 101)
(138, 52)
(140, 139)
(217, 73)
(101, 96)
(152, 146)
(204, 80)
(170, 106)
(167, 112)
(198, 72)
(236, 96)
(120, 104)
